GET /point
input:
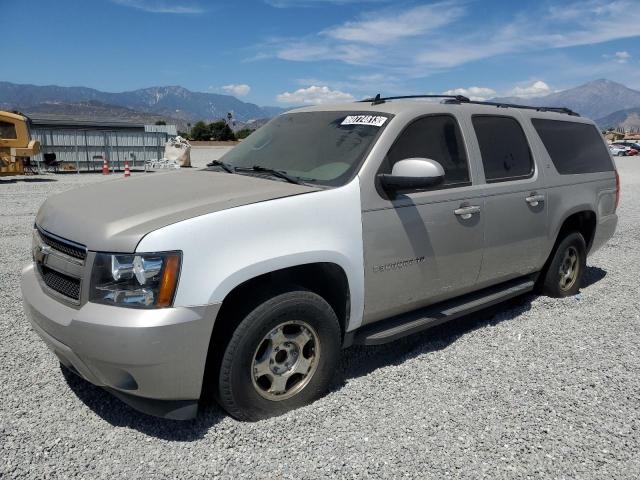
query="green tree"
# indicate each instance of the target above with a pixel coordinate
(244, 133)
(200, 131)
(220, 131)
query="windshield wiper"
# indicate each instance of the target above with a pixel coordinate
(276, 173)
(225, 166)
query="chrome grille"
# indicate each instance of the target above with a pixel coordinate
(61, 283)
(64, 246)
(61, 265)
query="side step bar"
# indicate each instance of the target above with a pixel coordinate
(408, 323)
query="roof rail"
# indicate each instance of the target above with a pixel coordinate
(566, 110)
(377, 100)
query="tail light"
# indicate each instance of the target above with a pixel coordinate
(617, 189)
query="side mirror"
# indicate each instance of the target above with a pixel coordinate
(412, 174)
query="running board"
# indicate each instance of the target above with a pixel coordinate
(409, 323)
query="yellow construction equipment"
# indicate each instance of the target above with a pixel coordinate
(16, 146)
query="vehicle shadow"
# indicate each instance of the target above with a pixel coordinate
(592, 275)
(361, 360)
(119, 414)
(27, 180)
(356, 361)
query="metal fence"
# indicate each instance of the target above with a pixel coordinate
(85, 150)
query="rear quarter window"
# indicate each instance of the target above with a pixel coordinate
(573, 147)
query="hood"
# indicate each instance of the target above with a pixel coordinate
(113, 216)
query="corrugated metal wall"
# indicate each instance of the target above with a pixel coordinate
(86, 149)
(170, 129)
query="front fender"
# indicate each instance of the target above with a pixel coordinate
(278, 263)
(221, 250)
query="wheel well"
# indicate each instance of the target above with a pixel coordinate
(583, 222)
(325, 279)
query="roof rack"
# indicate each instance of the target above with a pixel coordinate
(566, 110)
(377, 100)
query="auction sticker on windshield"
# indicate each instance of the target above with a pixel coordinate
(373, 120)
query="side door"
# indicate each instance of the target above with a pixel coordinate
(421, 247)
(515, 201)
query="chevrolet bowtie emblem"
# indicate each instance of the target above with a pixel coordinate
(40, 252)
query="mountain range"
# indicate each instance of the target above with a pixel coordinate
(171, 103)
(627, 119)
(605, 101)
(609, 103)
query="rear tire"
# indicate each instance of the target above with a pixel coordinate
(563, 276)
(281, 356)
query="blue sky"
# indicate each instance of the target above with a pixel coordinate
(291, 52)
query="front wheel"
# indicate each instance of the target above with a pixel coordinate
(564, 274)
(281, 356)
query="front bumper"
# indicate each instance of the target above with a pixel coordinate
(154, 360)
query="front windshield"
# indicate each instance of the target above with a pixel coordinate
(318, 147)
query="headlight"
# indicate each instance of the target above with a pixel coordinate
(146, 280)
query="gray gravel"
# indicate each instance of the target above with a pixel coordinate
(537, 388)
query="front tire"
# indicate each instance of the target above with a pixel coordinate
(281, 356)
(563, 277)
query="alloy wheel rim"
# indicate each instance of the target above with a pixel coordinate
(568, 271)
(285, 360)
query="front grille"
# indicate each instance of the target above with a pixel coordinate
(68, 248)
(61, 283)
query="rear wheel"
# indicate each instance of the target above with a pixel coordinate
(281, 356)
(563, 276)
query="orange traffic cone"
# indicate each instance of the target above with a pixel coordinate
(105, 167)
(127, 172)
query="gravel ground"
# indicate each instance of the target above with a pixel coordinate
(538, 388)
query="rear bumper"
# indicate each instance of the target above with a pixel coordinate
(152, 359)
(605, 229)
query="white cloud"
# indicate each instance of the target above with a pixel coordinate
(473, 93)
(239, 90)
(160, 6)
(366, 40)
(620, 57)
(587, 22)
(307, 51)
(313, 3)
(535, 89)
(379, 29)
(315, 95)
(426, 39)
(361, 85)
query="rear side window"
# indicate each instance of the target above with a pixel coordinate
(504, 148)
(436, 137)
(573, 147)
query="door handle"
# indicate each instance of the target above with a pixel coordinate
(534, 199)
(465, 213)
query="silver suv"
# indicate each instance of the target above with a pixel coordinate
(357, 223)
